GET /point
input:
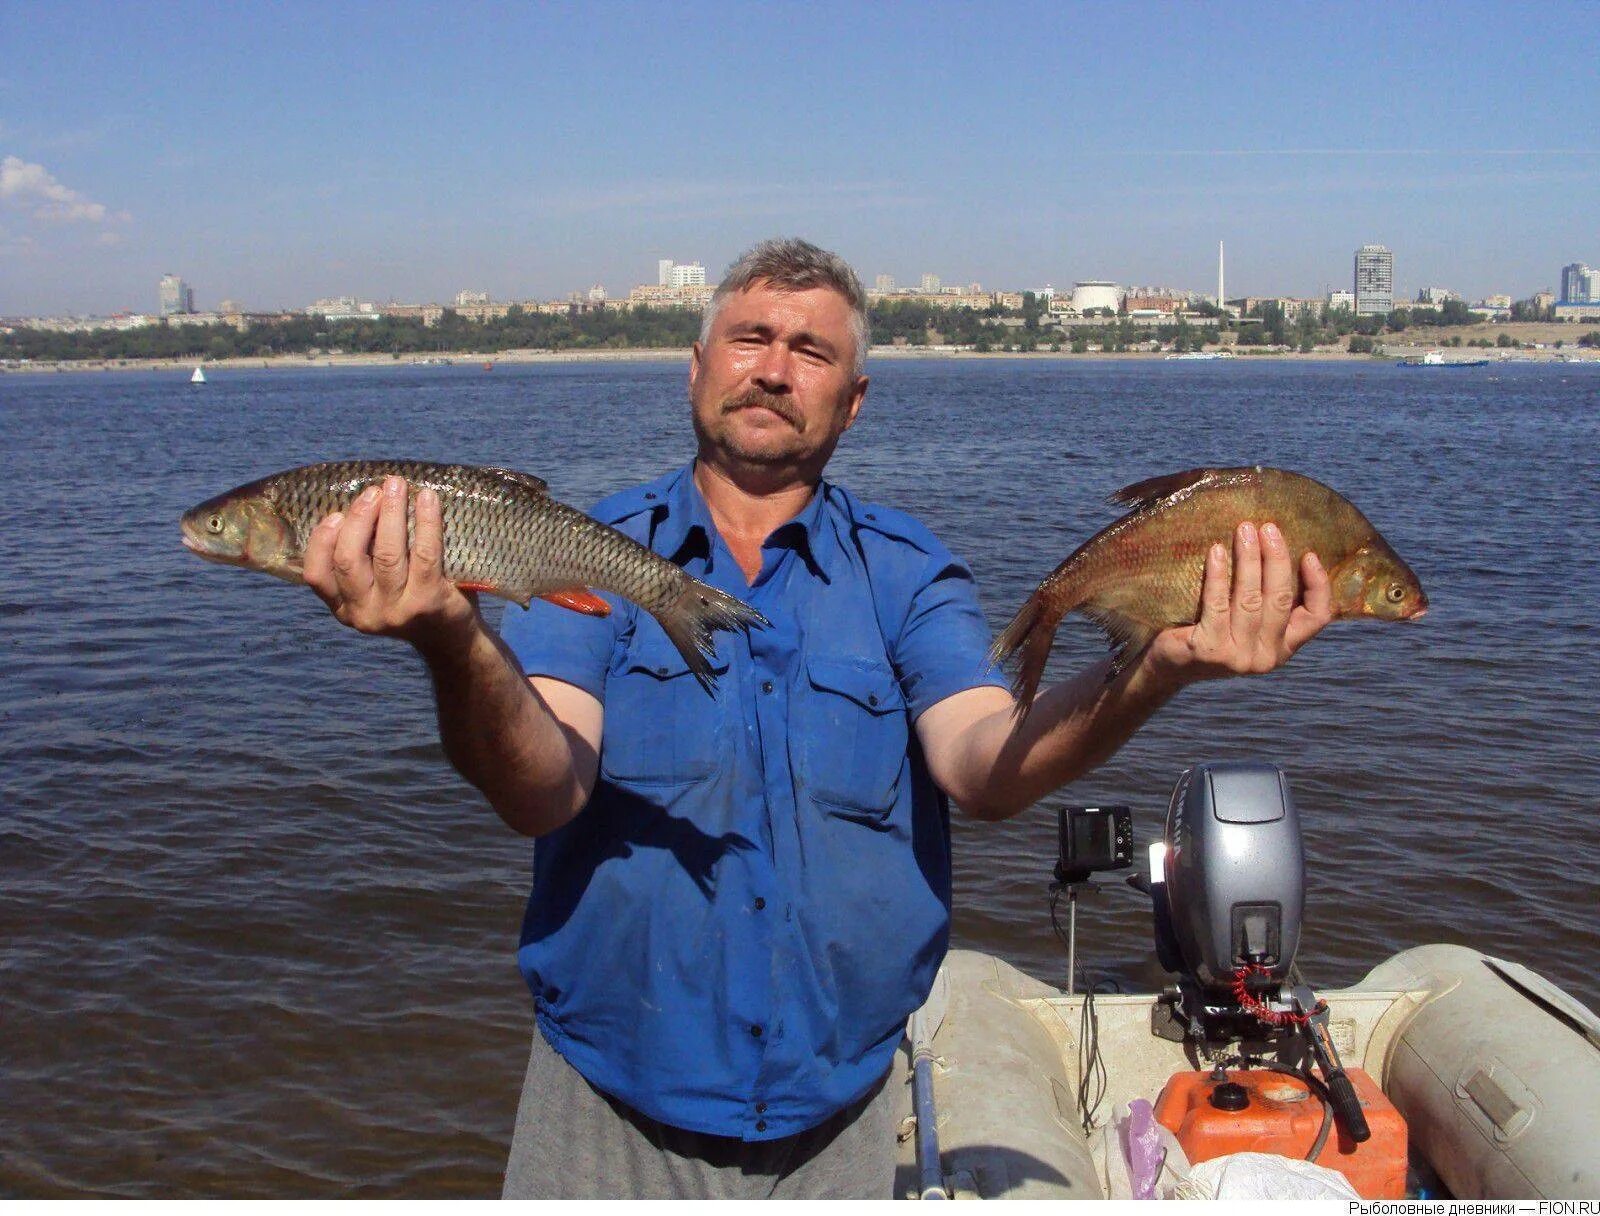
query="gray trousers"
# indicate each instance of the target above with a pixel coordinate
(574, 1142)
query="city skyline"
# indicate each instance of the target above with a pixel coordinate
(1372, 291)
(409, 153)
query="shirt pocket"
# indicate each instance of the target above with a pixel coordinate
(661, 727)
(850, 735)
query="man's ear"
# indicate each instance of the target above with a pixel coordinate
(858, 394)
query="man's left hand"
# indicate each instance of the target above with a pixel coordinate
(1253, 626)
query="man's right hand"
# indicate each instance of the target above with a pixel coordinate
(361, 566)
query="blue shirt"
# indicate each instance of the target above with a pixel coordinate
(730, 935)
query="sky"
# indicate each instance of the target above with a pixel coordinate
(275, 153)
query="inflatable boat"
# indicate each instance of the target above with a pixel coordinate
(1444, 1073)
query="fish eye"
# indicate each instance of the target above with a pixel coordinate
(214, 523)
(1395, 593)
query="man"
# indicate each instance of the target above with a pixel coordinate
(738, 900)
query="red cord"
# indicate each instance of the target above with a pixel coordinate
(1251, 1004)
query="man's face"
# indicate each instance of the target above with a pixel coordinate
(773, 384)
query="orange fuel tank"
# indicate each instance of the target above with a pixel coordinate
(1281, 1115)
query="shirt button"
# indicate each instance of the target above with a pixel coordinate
(766, 686)
(872, 698)
(761, 1125)
(755, 1031)
(760, 903)
(761, 1108)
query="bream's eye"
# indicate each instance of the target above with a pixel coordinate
(214, 523)
(1395, 593)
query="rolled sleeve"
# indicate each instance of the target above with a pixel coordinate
(943, 647)
(563, 644)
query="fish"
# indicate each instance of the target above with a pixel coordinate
(503, 534)
(1143, 573)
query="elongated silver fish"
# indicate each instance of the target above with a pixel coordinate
(503, 534)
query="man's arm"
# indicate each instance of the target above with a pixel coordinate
(530, 746)
(994, 766)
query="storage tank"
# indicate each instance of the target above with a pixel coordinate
(1094, 293)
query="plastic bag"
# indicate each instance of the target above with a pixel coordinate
(1142, 1143)
(1160, 1165)
(1263, 1176)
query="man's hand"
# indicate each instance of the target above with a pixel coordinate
(1256, 625)
(361, 566)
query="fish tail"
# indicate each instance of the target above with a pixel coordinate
(1026, 641)
(695, 615)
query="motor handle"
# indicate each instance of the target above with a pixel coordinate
(1341, 1091)
(1346, 1106)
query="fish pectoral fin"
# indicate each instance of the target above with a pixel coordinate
(579, 599)
(1152, 489)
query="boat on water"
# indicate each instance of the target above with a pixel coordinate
(199, 377)
(1435, 358)
(1206, 355)
(1444, 1073)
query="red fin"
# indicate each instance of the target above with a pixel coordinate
(479, 587)
(579, 599)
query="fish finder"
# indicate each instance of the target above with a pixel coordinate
(1092, 839)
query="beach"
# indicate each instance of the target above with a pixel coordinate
(1392, 350)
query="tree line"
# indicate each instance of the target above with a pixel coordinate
(894, 322)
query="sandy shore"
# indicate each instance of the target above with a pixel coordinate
(880, 353)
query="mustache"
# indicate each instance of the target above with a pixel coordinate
(778, 405)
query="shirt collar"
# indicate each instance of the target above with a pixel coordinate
(686, 527)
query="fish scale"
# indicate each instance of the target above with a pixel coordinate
(503, 534)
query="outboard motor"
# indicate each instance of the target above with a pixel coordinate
(1234, 887)
(1228, 888)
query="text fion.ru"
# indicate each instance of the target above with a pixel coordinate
(1476, 1207)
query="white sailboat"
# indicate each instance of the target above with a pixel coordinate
(199, 377)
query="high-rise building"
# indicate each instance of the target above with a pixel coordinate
(930, 282)
(691, 275)
(1374, 284)
(1577, 284)
(664, 272)
(177, 297)
(885, 282)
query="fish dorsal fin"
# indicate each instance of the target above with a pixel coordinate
(1143, 493)
(526, 482)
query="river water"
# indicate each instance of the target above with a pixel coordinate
(257, 939)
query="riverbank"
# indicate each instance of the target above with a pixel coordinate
(1392, 350)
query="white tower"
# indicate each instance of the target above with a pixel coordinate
(1220, 296)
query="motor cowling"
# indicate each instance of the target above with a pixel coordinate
(1234, 875)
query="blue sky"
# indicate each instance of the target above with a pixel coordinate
(274, 153)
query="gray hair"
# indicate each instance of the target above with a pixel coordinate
(791, 264)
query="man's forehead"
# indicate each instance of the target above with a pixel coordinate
(766, 303)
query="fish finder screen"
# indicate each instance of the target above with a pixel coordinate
(1094, 838)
